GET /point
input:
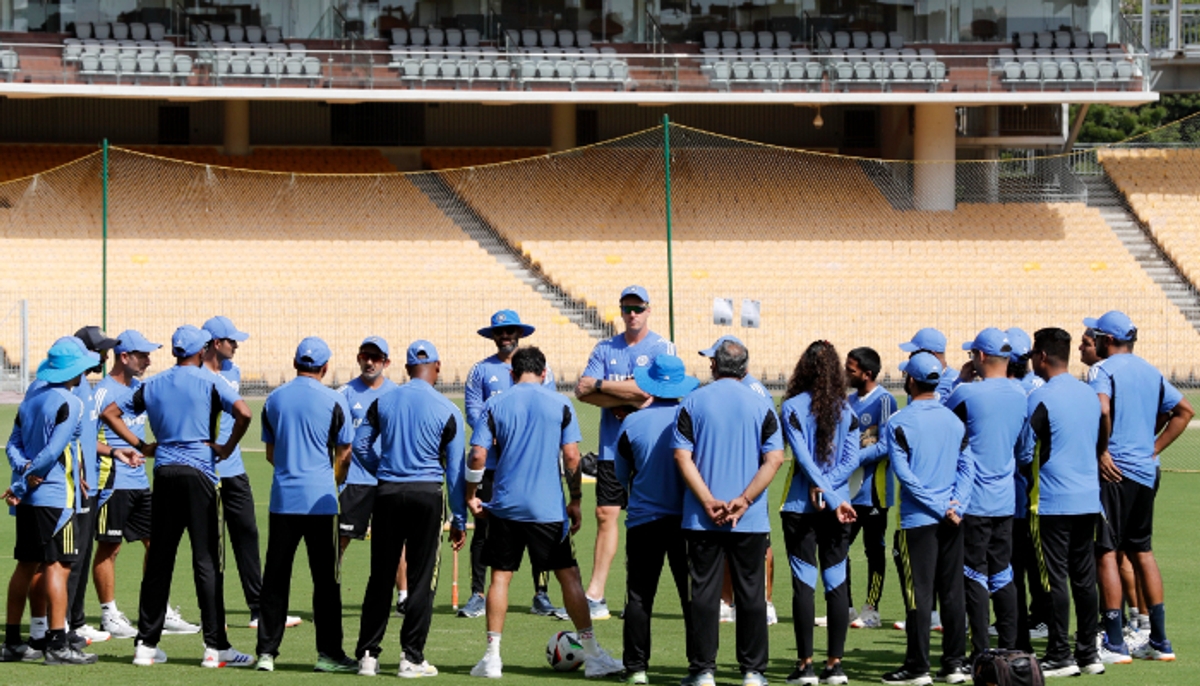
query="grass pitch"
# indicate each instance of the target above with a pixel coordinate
(456, 644)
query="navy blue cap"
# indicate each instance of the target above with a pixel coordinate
(712, 352)
(312, 352)
(1114, 323)
(422, 346)
(636, 292)
(503, 319)
(132, 341)
(926, 339)
(923, 367)
(1021, 343)
(94, 339)
(665, 378)
(221, 327)
(188, 340)
(990, 341)
(378, 342)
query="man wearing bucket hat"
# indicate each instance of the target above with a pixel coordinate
(935, 477)
(993, 411)
(488, 377)
(97, 461)
(645, 465)
(45, 454)
(307, 431)
(180, 404)
(932, 341)
(607, 383)
(1129, 472)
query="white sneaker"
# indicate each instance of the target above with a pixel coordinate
(118, 625)
(145, 656)
(1040, 631)
(367, 665)
(754, 679)
(410, 670)
(853, 616)
(935, 621)
(288, 622)
(175, 624)
(868, 618)
(490, 667)
(821, 621)
(772, 616)
(900, 625)
(601, 664)
(230, 657)
(727, 615)
(92, 634)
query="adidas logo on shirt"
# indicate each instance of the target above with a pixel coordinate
(357, 406)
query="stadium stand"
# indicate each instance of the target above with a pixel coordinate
(775, 226)
(17, 161)
(1163, 188)
(284, 255)
(453, 158)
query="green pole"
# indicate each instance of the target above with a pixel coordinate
(670, 260)
(104, 242)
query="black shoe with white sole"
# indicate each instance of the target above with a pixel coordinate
(833, 674)
(1063, 667)
(956, 674)
(906, 678)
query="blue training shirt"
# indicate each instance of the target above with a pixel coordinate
(231, 374)
(529, 424)
(614, 360)
(359, 397)
(993, 411)
(728, 428)
(421, 440)
(925, 446)
(1138, 393)
(487, 378)
(873, 411)
(1060, 459)
(645, 464)
(183, 405)
(45, 442)
(110, 391)
(89, 433)
(305, 421)
(808, 469)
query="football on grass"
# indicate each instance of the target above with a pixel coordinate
(564, 652)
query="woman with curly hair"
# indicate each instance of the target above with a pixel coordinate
(824, 437)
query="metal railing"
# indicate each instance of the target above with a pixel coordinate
(512, 68)
(1161, 29)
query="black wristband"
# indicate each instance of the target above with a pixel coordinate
(598, 382)
(141, 445)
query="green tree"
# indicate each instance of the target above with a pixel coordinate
(1109, 124)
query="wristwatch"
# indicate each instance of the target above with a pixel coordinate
(598, 382)
(141, 446)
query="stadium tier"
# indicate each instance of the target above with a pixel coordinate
(817, 243)
(453, 158)
(284, 256)
(1163, 188)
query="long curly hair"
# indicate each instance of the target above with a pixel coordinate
(819, 373)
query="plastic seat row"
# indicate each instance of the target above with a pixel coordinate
(1061, 39)
(235, 33)
(526, 72)
(170, 66)
(433, 37)
(548, 38)
(273, 66)
(1066, 72)
(120, 31)
(614, 72)
(75, 48)
(884, 73)
(9, 64)
(859, 40)
(747, 39)
(248, 50)
(402, 53)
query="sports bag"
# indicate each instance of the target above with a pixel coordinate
(1007, 668)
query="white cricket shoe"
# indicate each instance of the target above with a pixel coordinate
(601, 664)
(368, 665)
(412, 670)
(92, 634)
(175, 624)
(490, 666)
(230, 657)
(118, 625)
(145, 656)
(772, 615)
(727, 614)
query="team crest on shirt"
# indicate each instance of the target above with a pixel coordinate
(643, 360)
(865, 419)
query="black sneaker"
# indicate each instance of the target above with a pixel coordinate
(955, 674)
(803, 676)
(834, 674)
(1064, 667)
(907, 678)
(76, 641)
(68, 655)
(21, 652)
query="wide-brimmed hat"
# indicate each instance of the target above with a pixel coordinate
(503, 319)
(666, 377)
(67, 359)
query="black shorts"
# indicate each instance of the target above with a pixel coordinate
(357, 501)
(125, 516)
(1127, 520)
(609, 491)
(550, 545)
(41, 539)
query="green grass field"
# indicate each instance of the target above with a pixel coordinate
(456, 644)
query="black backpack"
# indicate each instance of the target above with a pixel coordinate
(1007, 668)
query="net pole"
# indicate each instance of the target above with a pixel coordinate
(104, 240)
(670, 261)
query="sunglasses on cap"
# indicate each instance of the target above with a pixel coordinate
(633, 309)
